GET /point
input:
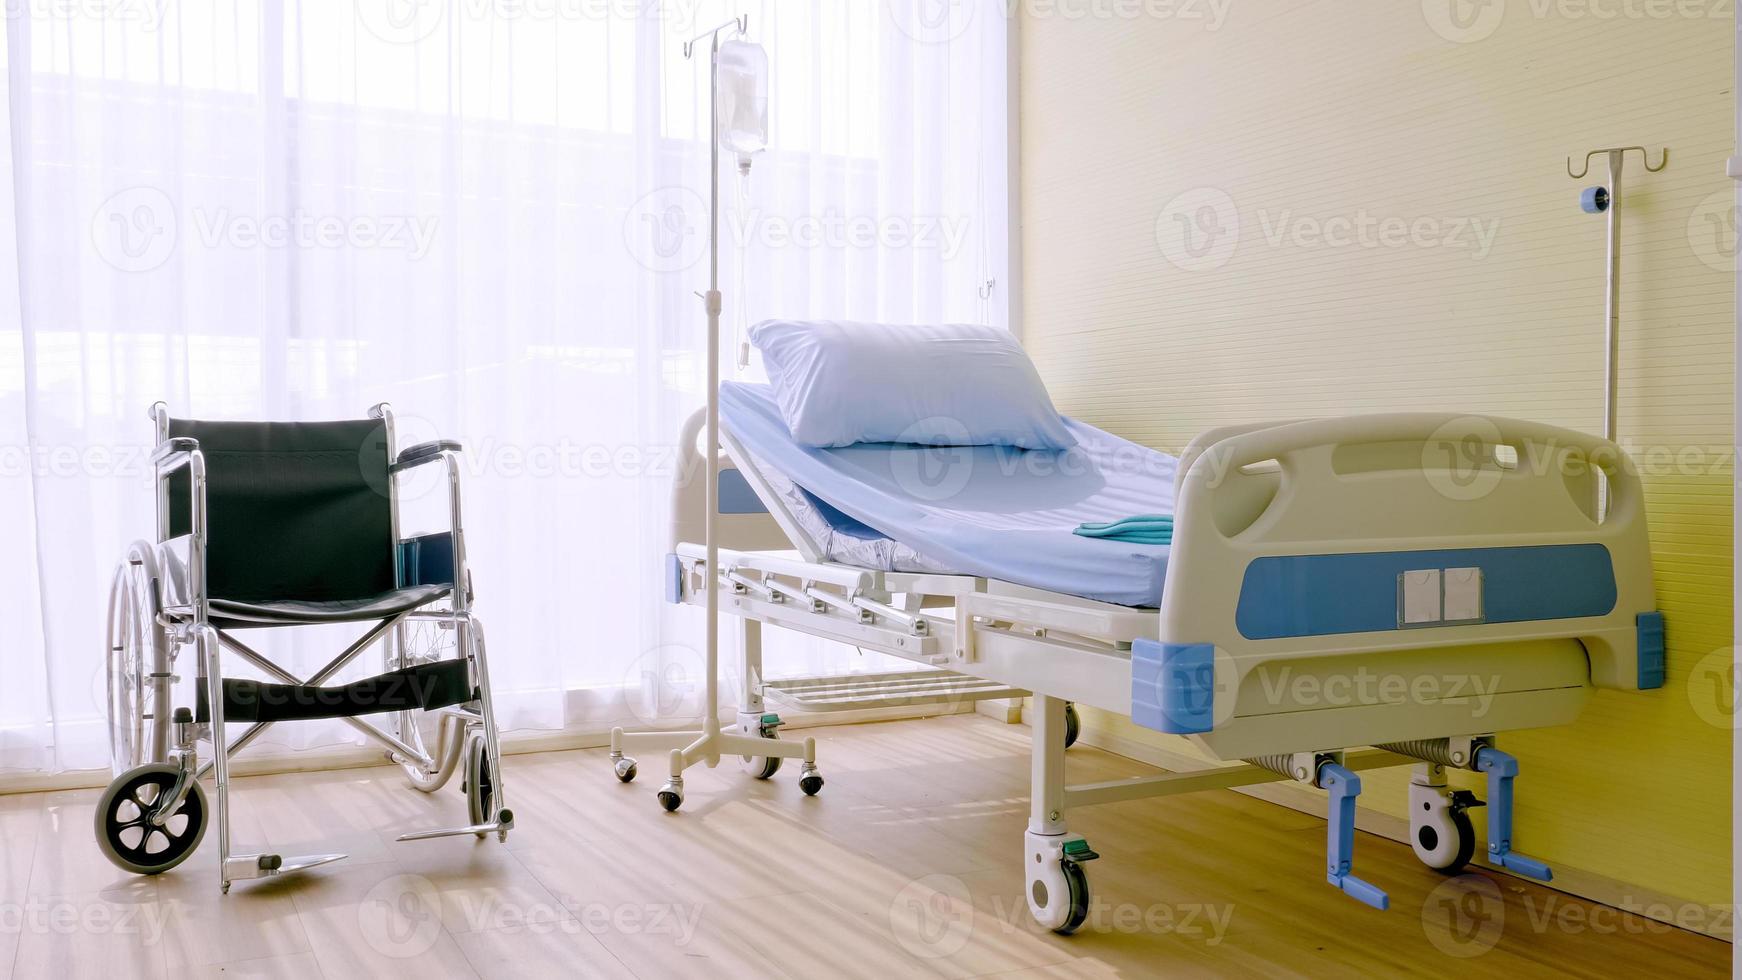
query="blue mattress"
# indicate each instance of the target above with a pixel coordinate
(989, 511)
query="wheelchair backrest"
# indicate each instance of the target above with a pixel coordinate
(294, 510)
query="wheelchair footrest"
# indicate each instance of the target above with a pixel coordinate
(423, 687)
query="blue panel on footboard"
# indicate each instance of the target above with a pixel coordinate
(1320, 595)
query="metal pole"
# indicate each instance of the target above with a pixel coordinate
(710, 710)
(710, 715)
(1612, 304)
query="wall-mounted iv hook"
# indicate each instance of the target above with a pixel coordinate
(1644, 156)
(1605, 199)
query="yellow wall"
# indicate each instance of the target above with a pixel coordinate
(1302, 111)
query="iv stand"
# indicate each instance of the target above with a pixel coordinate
(1598, 200)
(712, 742)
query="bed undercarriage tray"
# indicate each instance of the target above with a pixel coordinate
(885, 690)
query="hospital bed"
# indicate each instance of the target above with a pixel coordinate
(1339, 595)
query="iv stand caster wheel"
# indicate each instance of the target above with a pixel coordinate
(810, 780)
(762, 766)
(1073, 725)
(671, 795)
(1440, 830)
(126, 833)
(623, 766)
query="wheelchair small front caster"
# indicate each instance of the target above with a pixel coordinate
(671, 795)
(128, 835)
(624, 768)
(810, 780)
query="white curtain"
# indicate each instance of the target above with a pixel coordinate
(491, 214)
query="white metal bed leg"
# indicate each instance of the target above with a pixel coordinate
(754, 721)
(750, 685)
(1047, 762)
(1053, 858)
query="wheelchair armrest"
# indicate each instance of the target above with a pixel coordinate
(174, 451)
(425, 452)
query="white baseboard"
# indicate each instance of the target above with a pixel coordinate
(1714, 921)
(1006, 710)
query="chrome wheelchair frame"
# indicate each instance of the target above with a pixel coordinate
(159, 603)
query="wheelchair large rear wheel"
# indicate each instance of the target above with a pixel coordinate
(136, 662)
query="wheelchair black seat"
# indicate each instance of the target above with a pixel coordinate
(298, 515)
(237, 614)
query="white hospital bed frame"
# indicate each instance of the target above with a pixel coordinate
(1337, 487)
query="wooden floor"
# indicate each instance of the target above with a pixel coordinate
(907, 864)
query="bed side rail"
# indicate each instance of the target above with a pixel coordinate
(1383, 532)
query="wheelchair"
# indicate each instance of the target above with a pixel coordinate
(267, 525)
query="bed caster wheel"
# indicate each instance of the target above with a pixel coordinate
(1077, 891)
(1058, 884)
(1059, 899)
(671, 795)
(1073, 725)
(763, 766)
(810, 780)
(1441, 833)
(624, 768)
(125, 833)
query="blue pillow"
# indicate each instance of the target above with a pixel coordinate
(952, 385)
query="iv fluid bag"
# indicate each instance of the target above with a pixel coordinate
(743, 69)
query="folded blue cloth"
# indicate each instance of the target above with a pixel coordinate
(1141, 529)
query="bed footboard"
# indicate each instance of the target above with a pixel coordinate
(1403, 576)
